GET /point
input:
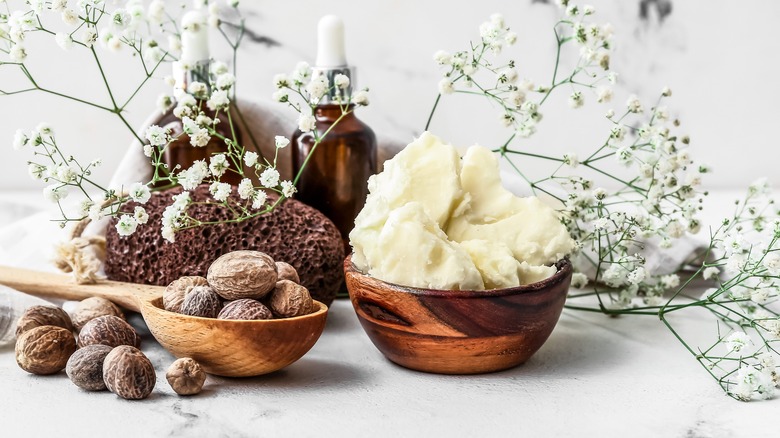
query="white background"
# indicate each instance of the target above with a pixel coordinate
(719, 58)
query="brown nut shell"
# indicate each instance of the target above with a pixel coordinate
(45, 349)
(245, 309)
(175, 292)
(289, 299)
(108, 330)
(90, 308)
(128, 373)
(185, 376)
(37, 316)
(201, 301)
(85, 367)
(287, 272)
(243, 274)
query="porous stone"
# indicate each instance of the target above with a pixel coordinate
(293, 232)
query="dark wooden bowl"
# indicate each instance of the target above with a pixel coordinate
(458, 332)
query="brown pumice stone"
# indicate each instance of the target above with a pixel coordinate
(45, 349)
(293, 232)
(37, 316)
(108, 330)
(128, 373)
(85, 367)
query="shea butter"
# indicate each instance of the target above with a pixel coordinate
(435, 220)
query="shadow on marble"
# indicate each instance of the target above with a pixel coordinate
(341, 318)
(307, 374)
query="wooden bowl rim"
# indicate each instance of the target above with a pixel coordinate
(564, 270)
(323, 309)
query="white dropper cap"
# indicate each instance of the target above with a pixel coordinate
(194, 37)
(330, 42)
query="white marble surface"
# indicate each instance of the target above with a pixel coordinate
(717, 56)
(595, 376)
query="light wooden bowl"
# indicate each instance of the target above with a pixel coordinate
(235, 348)
(223, 347)
(458, 332)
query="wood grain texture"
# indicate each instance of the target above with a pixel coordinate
(223, 347)
(458, 332)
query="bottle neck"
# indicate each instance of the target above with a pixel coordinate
(332, 112)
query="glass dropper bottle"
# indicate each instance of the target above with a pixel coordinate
(335, 179)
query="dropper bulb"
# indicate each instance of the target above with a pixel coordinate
(330, 42)
(194, 37)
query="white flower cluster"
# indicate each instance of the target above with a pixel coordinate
(312, 89)
(503, 84)
(87, 22)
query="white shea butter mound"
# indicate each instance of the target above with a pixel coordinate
(437, 221)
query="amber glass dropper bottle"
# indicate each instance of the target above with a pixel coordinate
(335, 179)
(194, 65)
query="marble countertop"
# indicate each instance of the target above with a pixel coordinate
(595, 376)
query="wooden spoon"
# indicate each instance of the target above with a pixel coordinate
(223, 347)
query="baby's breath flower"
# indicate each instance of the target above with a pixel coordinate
(157, 136)
(579, 280)
(148, 150)
(634, 105)
(36, 171)
(446, 86)
(55, 193)
(139, 193)
(156, 11)
(281, 80)
(233, 3)
(571, 159)
(250, 158)
(281, 141)
(306, 123)
(360, 98)
(218, 165)
(259, 200)
(281, 96)
(737, 341)
(246, 189)
(225, 81)
(164, 103)
(288, 189)
(197, 89)
(710, 273)
(20, 140)
(576, 100)
(670, 281)
(220, 191)
(301, 73)
(63, 40)
(317, 87)
(771, 262)
(17, 53)
(269, 178)
(126, 225)
(189, 179)
(218, 100)
(341, 81)
(140, 215)
(442, 58)
(604, 94)
(200, 137)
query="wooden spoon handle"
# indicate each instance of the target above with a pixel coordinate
(44, 284)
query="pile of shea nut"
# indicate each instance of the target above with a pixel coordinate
(437, 220)
(104, 355)
(244, 285)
